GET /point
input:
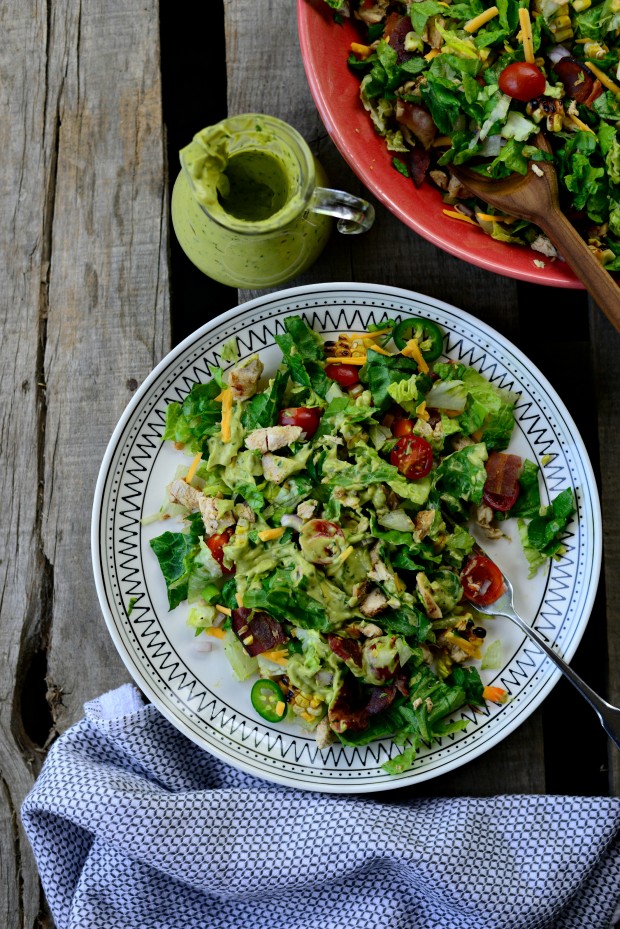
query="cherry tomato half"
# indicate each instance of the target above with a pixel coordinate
(413, 457)
(402, 426)
(522, 81)
(215, 544)
(306, 417)
(501, 488)
(321, 541)
(482, 581)
(345, 375)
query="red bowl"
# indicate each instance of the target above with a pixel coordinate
(335, 89)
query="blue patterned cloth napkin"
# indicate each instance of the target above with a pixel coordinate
(135, 827)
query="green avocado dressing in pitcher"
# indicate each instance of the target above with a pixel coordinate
(249, 206)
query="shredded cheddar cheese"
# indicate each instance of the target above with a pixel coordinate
(474, 24)
(604, 79)
(362, 51)
(412, 350)
(526, 35)
(216, 632)
(344, 555)
(268, 534)
(454, 214)
(375, 334)
(277, 655)
(226, 399)
(494, 694)
(377, 348)
(400, 586)
(432, 54)
(348, 360)
(578, 123)
(422, 412)
(193, 468)
(491, 218)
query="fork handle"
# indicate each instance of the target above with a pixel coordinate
(597, 281)
(609, 715)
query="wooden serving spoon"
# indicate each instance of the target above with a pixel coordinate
(534, 197)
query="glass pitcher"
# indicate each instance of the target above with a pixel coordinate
(250, 207)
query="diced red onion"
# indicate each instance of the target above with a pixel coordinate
(557, 53)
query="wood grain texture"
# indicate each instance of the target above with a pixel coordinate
(84, 316)
(266, 75)
(23, 247)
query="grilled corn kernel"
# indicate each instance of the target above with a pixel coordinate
(559, 21)
(554, 123)
(562, 34)
(594, 50)
(580, 5)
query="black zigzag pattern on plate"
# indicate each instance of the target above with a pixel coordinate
(212, 722)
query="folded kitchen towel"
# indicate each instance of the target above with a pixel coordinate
(134, 826)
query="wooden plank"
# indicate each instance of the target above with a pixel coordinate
(265, 74)
(84, 319)
(108, 304)
(24, 218)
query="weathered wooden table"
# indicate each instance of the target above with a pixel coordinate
(96, 101)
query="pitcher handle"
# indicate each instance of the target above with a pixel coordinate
(354, 214)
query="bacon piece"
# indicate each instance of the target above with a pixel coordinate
(380, 699)
(348, 650)
(501, 487)
(257, 631)
(396, 29)
(402, 684)
(503, 472)
(347, 713)
(579, 82)
(416, 118)
(419, 163)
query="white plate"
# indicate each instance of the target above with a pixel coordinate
(196, 690)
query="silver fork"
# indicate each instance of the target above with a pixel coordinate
(608, 715)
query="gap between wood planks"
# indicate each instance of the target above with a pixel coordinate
(194, 96)
(36, 699)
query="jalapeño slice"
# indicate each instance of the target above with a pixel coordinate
(428, 335)
(268, 700)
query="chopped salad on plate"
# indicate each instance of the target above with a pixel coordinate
(467, 82)
(324, 539)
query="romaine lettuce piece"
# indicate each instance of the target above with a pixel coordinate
(175, 551)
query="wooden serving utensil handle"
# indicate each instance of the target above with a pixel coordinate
(597, 281)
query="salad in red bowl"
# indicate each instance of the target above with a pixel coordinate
(442, 84)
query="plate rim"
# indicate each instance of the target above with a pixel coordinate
(179, 719)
